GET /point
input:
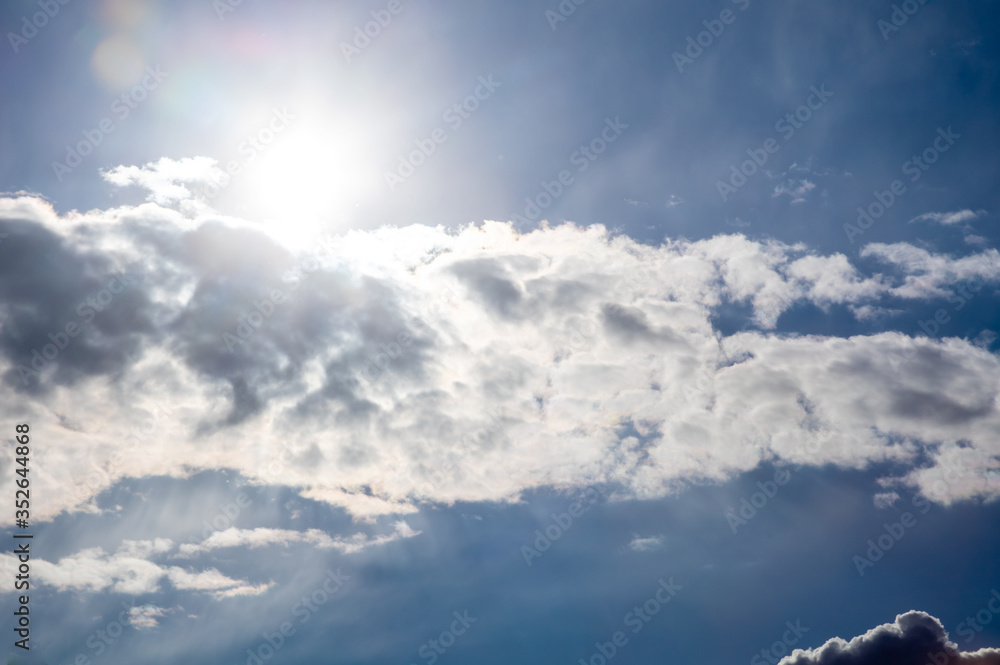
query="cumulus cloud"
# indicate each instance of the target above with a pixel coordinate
(928, 275)
(828, 280)
(378, 370)
(166, 180)
(915, 638)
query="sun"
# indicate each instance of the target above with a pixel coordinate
(306, 180)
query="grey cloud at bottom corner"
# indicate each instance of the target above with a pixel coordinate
(915, 638)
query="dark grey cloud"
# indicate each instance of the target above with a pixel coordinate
(937, 407)
(631, 324)
(490, 280)
(68, 312)
(915, 638)
(48, 281)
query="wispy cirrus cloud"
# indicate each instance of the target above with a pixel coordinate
(949, 218)
(263, 537)
(647, 544)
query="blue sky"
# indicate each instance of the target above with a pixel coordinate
(443, 332)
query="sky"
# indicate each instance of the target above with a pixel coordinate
(427, 332)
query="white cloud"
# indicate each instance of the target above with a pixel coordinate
(928, 275)
(167, 180)
(525, 355)
(832, 279)
(126, 571)
(94, 570)
(243, 590)
(212, 581)
(129, 570)
(145, 617)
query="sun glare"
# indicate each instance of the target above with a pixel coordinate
(306, 180)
